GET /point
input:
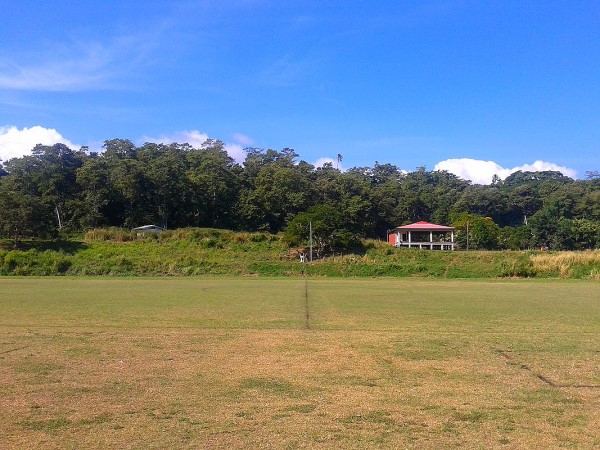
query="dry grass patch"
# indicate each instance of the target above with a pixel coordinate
(562, 263)
(414, 366)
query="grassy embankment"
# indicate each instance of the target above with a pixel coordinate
(219, 252)
(293, 363)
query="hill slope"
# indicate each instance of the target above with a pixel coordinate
(190, 252)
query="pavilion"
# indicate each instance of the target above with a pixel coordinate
(423, 235)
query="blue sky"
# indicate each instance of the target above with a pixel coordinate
(474, 87)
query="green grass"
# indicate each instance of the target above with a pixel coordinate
(217, 362)
(198, 252)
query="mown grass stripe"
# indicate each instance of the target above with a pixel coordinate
(306, 305)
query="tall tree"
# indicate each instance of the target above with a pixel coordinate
(50, 175)
(476, 232)
(165, 173)
(329, 231)
(23, 215)
(275, 189)
(97, 194)
(214, 183)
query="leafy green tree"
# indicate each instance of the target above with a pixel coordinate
(214, 183)
(23, 215)
(164, 170)
(325, 183)
(525, 177)
(544, 226)
(357, 202)
(480, 233)
(49, 174)
(178, 185)
(414, 203)
(328, 230)
(588, 206)
(119, 148)
(523, 202)
(275, 189)
(486, 201)
(515, 238)
(563, 238)
(586, 234)
(446, 189)
(385, 173)
(130, 183)
(97, 194)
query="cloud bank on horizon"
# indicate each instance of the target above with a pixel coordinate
(15, 143)
(482, 172)
(196, 138)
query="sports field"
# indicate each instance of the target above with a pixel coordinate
(294, 363)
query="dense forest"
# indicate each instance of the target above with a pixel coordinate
(57, 190)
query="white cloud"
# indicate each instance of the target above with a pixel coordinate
(15, 143)
(196, 138)
(243, 139)
(543, 165)
(236, 151)
(481, 172)
(322, 161)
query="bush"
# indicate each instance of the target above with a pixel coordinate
(258, 237)
(61, 265)
(521, 268)
(108, 234)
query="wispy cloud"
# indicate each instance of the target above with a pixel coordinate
(285, 72)
(243, 139)
(82, 68)
(482, 172)
(78, 64)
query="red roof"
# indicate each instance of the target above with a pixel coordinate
(424, 226)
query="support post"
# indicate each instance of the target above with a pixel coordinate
(310, 240)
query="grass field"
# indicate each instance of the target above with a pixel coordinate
(294, 363)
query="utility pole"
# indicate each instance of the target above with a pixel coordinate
(467, 235)
(310, 240)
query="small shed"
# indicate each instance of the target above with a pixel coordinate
(423, 235)
(148, 229)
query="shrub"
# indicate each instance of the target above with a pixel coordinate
(108, 234)
(517, 268)
(258, 237)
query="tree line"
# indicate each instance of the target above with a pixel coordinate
(57, 189)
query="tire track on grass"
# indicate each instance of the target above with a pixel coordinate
(510, 361)
(306, 307)
(13, 350)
